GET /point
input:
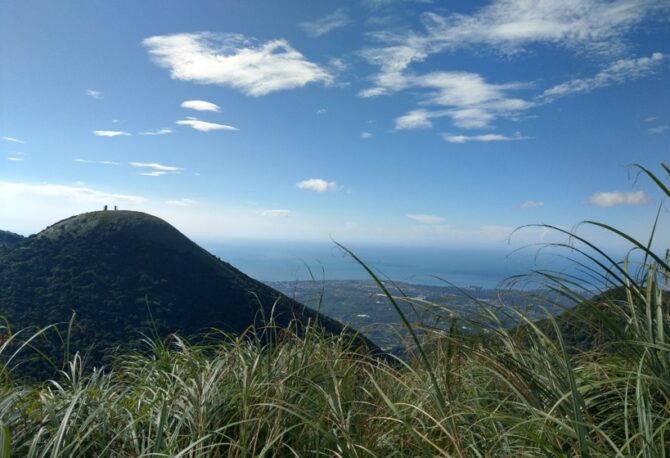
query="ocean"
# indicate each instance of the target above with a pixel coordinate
(287, 261)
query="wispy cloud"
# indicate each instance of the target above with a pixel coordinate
(339, 18)
(509, 25)
(317, 185)
(14, 159)
(163, 131)
(13, 140)
(94, 94)
(467, 98)
(88, 161)
(505, 26)
(200, 105)
(204, 126)
(658, 129)
(255, 69)
(111, 133)
(366, 135)
(81, 194)
(277, 213)
(156, 169)
(532, 204)
(611, 199)
(616, 73)
(321, 111)
(415, 119)
(426, 219)
(182, 202)
(451, 138)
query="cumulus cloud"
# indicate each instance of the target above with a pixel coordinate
(276, 213)
(200, 105)
(339, 18)
(13, 140)
(204, 126)
(76, 193)
(253, 68)
(658, 129)
(163, 131)
(615, 73)
(611, 199)
(426, 219)
(110, 133)
(450, 138)
(182, 202)
(532, 204)
(155, 169)
(317, 185)
(94, 94)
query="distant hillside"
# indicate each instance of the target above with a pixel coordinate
(595, 323)
(112, 267)
(9, 239)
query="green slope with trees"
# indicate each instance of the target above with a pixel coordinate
(123, 273)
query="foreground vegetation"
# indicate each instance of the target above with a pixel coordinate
(525, 391)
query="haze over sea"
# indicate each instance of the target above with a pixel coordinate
(288, 261)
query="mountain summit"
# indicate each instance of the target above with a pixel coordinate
(117, 270)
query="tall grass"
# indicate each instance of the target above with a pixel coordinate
(532, 390)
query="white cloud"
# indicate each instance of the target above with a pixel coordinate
(509, 25)
(416, 119)
(13, 140)
(233, 60)
(616, 73)
(14, 159)
(156, 169)
(373, 92)
(88, 161)
(366, 135)
(110, 133)
(322, 26)
(163, 131)
(200, 105)
(75, 193)
(94, 94)
(483, 138)
(182, 202)
(467, 98)
(204, 126)
(505, 26)
(658, 129)
(317, 185)
(321, 111)
(650, 119)
(426, 219)
(532, 204)
(277, 213)
(610, 199)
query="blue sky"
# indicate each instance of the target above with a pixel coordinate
(406, 122)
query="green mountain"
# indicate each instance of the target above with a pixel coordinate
(9, 239)
(117, 269)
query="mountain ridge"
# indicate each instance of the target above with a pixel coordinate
(123, 271)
